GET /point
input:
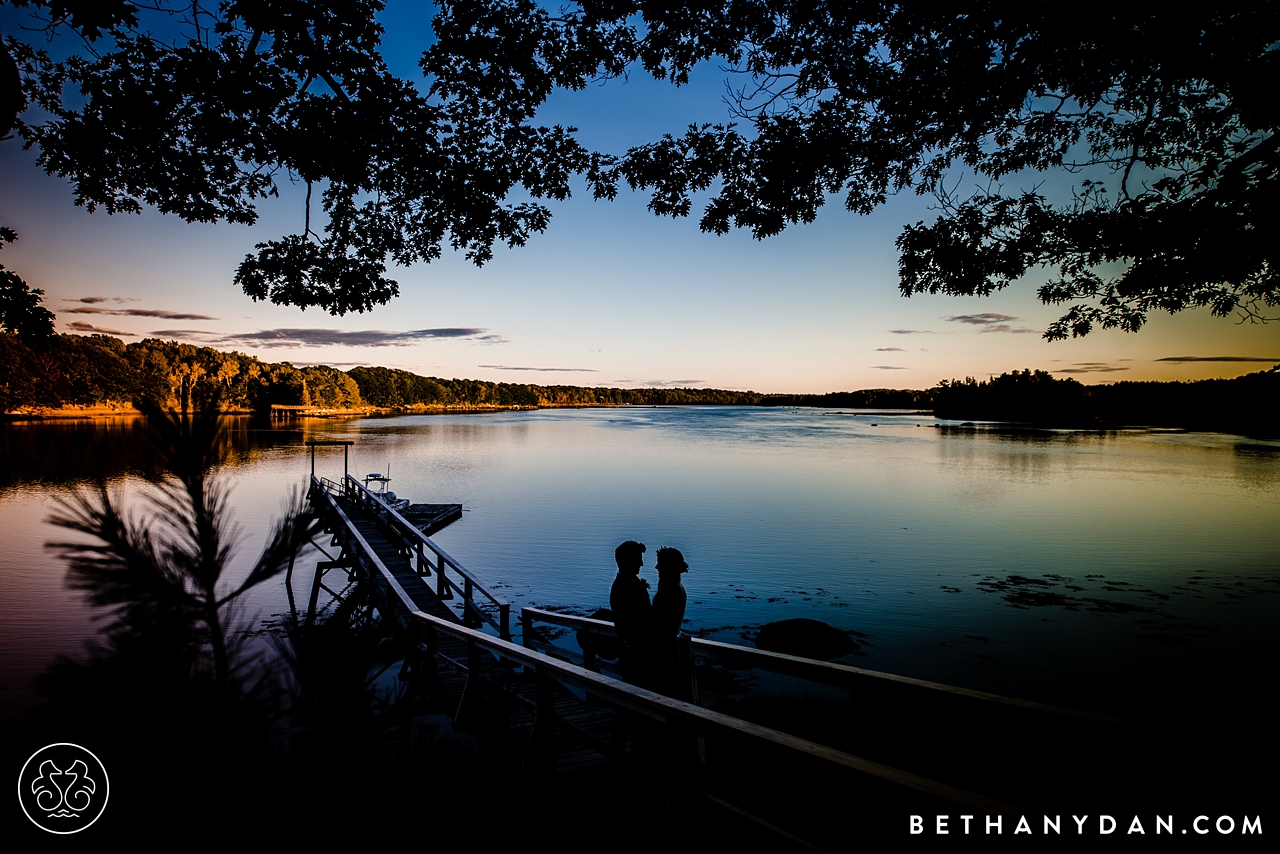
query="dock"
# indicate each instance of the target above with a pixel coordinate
(544, 709)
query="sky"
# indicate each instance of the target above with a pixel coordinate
(609, 295)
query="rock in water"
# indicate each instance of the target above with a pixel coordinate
(806, 638)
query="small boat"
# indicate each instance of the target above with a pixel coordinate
(380, 491)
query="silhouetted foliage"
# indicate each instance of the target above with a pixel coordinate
(185, 715)
(1167, 119)
(1018, 396)
(164, 570)
(21, 312)
(1240, 405)
(11, 101)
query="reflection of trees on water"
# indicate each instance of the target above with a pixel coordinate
(85, 451)
(1022, 450)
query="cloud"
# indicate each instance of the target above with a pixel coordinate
(989, 321)
(890, 350)
(888, 368)
(139, 312)
(550, 370)
(292, 338)
(985, 319)
(913, 332)
(1090, 368)
(81, 326)
(94, 300)
(1220, 359)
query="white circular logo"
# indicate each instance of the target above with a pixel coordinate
(63, 788)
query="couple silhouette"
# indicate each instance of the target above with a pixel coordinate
(649, 632)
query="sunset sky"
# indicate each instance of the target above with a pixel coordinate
(609, 295)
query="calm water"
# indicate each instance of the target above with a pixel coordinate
(1049, 564)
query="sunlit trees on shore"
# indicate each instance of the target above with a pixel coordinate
(97, 370)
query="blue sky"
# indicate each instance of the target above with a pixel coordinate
(609, 295)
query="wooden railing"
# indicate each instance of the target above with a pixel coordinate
(357, 548)
(856, 679)
(688, 718)
(406, 535)
(676, 715)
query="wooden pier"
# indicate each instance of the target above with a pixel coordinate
(545, 708)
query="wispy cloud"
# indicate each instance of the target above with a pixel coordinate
(293, 338)
(913, 332)
(1090, 368)
(887, 368)
(549, 370)
(138, 312)
(95, 300)
(989, 321)
(1220, 359)
(81, 326)
(985, 319)
(890, 350)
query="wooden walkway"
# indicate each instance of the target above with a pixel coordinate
(502, 702)
(541, 708)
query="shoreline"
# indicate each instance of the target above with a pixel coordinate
(104, 411)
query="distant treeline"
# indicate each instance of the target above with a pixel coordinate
(89, 370)
(1242, 405)
(389, 387)
(75, 370)
(93, 370)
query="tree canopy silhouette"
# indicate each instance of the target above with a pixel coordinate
(21, 312)
(1163, 123)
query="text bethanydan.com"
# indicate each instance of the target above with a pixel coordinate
(1101, 825)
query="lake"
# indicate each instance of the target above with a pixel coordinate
(1077, 567)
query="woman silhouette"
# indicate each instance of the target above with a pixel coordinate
(674, 675)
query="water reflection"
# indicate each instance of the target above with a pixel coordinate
(72, 451)
(956, 550)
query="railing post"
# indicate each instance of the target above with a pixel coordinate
(542, 741)
(470, 613)
(526, 628)
(442, 586)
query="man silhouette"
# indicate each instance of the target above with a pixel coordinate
(632, 614)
